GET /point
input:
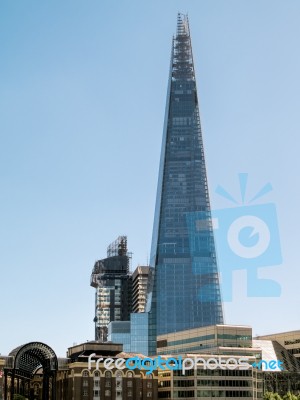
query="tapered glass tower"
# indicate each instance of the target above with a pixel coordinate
(185, 289)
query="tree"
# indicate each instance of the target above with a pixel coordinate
(289, 396)
(277, 396)
(272, 396)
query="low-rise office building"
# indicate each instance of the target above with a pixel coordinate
(289, 340)
(210, 339)
(202, 382)
(274, 368)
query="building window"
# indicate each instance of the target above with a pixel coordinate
(85, 382)
(107, 374)
(85, 393)
(149, 394)
(36, 390)
(129, 393)
(129, 374)
(149, 384)
(85, 373)
(108, 384)
(107, 392)
(96, 374)
(129, 383)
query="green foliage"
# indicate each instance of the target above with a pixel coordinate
(276, 396)
(19, 397)
(271, 396)
(290, 396)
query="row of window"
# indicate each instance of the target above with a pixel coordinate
(224, 393)
(118, 383)
(205, 393)
(233, 383)
(224, 372)
(108, 393)
(108, 374)
(202, 393)
(213, 372)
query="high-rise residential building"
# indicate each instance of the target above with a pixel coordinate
(139, 288)
(112, 280)
(184, 291)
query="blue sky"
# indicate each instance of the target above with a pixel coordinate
(83, 87)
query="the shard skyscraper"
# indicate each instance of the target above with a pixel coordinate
(185, 290)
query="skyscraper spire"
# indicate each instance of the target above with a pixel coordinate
(182, 25)
(185, 292)
(183, 65)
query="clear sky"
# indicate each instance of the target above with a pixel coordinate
(82, 97)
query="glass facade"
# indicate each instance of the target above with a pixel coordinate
(184, 290)
(119, 332)
(132, 334)
(139, 333)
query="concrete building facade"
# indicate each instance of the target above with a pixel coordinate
(139, 289)
(207, 384)
(81, 379)
(213, 339)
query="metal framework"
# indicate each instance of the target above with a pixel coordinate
(183, 64)
(118, 247)
(21, 366)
